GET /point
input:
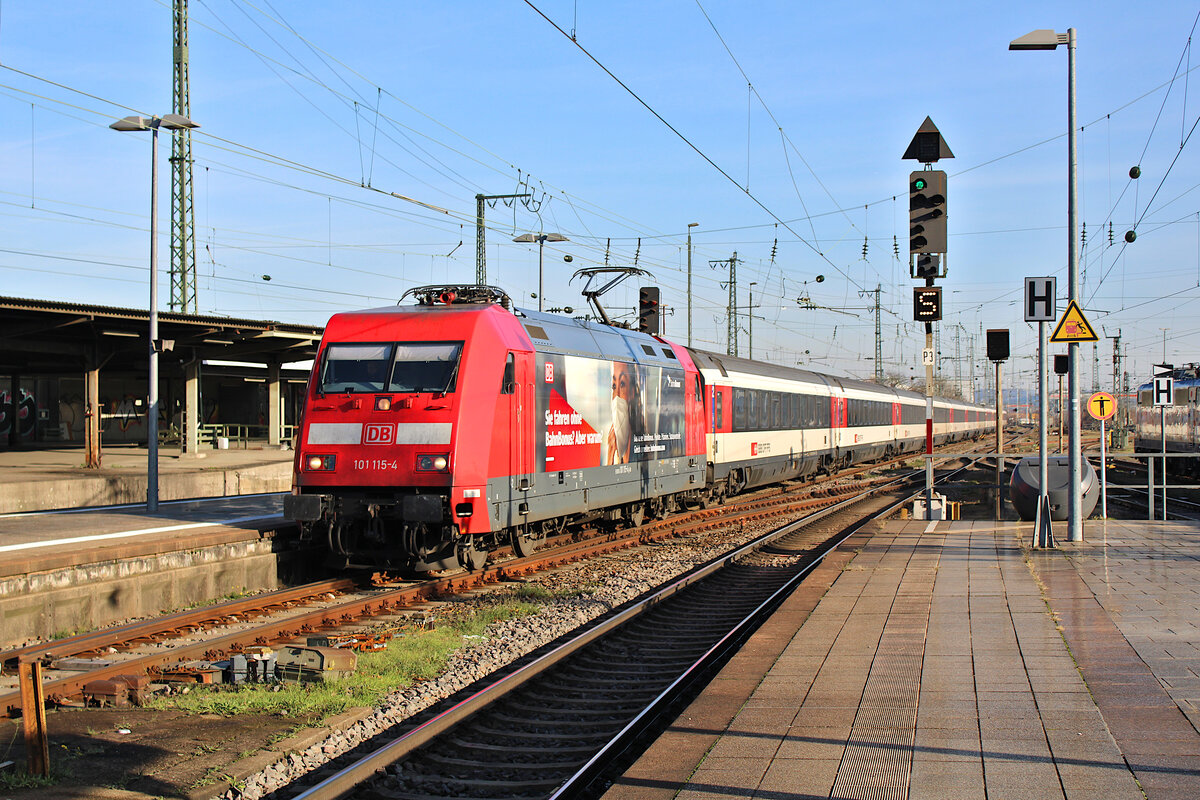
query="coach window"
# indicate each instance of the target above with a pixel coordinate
(509, 384)
(739, 409)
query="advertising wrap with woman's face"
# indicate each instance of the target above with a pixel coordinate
(624, 396)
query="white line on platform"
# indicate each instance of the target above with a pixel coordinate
(104, 509)
(932, 524)
(8, 548)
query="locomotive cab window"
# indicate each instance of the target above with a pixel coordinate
(425, 367)
(405, 367)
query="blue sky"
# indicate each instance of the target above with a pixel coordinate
(784, 127)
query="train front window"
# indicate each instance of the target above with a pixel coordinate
(431, 367)
(402, 367)
(355, 368)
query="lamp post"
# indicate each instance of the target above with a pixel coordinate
(541, 239)
(172, 122)
(1049, 40)
(689, 288)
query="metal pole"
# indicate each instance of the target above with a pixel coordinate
(1075, 493)
(999, 445)
(689, 282)
(152, 412)
(928, 425)
(1103, 473)
(750, 345)
(1150, 486)
(541, 247)
(1043, 409)
(1060, 414)
(1162, 422)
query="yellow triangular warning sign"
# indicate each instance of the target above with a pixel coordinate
(1073, 327)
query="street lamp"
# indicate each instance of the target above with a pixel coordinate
(172, 122)
(541, 239)
(1044, 39)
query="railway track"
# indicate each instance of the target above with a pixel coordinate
(324, 606)
(560, 724)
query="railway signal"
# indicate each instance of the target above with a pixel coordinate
(927, 249)
(927, 212)
(648, 310)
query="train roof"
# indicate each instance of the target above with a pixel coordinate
(553, 333)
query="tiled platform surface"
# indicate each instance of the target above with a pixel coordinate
(957, 664)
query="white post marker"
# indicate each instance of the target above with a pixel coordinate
(1103, 406)
(1164, 396)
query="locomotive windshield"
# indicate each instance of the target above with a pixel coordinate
(401, 367)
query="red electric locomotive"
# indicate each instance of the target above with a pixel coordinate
(434, 432)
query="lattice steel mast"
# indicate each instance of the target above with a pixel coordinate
(183, 217)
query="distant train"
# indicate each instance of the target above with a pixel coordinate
(1182, 420)
(436, 432)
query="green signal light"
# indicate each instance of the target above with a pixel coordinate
(919, 184)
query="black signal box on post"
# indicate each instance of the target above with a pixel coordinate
(648, 310)
(927, 211)
(1062, 364)
(997, 344)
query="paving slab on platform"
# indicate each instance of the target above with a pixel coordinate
(944, 664)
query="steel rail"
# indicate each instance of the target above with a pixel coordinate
(149, 629)
(338, 785)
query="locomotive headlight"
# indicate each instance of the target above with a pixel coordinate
(432, 463)
(320, 463)
(383, 404)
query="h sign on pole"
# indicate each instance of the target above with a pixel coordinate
(1040, 304)
(1164, 392)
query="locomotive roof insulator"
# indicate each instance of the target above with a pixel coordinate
(456, 294)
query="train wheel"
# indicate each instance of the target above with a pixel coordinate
(635, 515)
(526, 539)
(471, 558)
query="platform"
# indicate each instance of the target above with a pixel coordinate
(75, 568)
(958, 663)
(55, 478)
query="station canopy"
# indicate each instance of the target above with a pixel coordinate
(43, 337)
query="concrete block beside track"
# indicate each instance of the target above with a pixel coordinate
(42, 605)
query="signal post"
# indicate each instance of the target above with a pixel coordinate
(927, 259)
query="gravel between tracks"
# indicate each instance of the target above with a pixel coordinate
(608, 583)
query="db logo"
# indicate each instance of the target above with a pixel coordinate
(754, 448)
(376, 433)
(549, 372)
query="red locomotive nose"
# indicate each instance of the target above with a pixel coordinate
(447, 297)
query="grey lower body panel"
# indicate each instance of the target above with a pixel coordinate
(548, 495)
